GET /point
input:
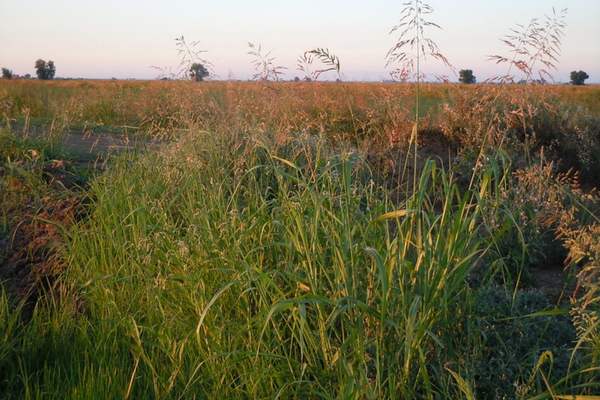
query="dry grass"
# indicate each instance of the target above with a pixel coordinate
(365, 108)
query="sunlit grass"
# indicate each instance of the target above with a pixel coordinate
(265, 252)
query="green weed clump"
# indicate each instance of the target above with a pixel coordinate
(514, 337)
(277, 269)
(274, 250)
(236, 266)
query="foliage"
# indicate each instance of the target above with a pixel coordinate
(198, 72)
(579, 77)
(7, 73)
(528, 123)
(466, 76)
(190, 56)
(315, 290)
(413, 45)
(584, 255)
(45, 70)
(515, 333)
(271, 247)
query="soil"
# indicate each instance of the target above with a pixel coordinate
(554, 283)
(30, 255)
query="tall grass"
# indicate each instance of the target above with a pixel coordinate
(266, 253)
(410, 50)
(377, 112)
(270, 270)
(232, 266)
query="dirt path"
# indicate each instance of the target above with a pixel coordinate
(89, 147)
(30, 253)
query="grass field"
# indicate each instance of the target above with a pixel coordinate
(299, 240)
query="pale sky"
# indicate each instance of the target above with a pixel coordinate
(123, 38)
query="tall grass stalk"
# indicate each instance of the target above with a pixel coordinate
(412, 47)
(277, 270)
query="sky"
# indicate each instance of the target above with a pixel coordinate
(124, 38)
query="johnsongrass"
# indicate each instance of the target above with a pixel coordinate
(236, 266)
(231, 267)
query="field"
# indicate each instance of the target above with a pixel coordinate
(299, 240)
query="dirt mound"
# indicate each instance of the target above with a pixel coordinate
(30, 253)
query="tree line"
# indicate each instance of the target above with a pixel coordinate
(578, 78)
(46, 70)
(43, 70)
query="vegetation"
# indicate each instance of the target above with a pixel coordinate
(329, 63)
(274, 247)
(413, 43)
(7, 73)
(466, 76)
(303, 240)
(198, 72)
(579, 77)
(45, 70)
(532, 49)
(265, 65)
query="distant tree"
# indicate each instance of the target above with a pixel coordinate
(40, 69)
(198, 72)
(579, 77)
(296, 79)
(466, 76)
(45, 70)
(27, 76)
(7, 73)
(51, 70)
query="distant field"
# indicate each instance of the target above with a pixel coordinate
(157, 108)
(298, 240)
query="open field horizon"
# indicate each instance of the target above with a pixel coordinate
(88, 39)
